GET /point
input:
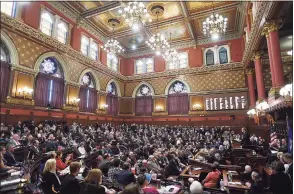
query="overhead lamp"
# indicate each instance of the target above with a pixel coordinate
(287, 91)
(290, 53)
(135, 14)
(214, 25)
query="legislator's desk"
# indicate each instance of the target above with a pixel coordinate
(235, 184)
(208, 165)
(193, 171)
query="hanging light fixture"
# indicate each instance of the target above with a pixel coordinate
(112, 45)
(157, 42)
(171, 55)
(135, 14)
(215, 25)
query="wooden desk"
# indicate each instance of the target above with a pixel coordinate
(233, 186)
(188, 172)
(208, 165)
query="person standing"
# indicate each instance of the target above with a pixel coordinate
(245, 137)
(70, 184)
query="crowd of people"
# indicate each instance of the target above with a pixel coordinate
(129, 158)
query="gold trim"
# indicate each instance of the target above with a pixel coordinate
(249, 72)
(256, 55)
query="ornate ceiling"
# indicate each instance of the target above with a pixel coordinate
(182, 19)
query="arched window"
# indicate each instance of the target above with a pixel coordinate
(88, 94)
(94, 51)
(4, 53)
(62, 32)
(49, 88)
(8, 8)
(223, 55)
(178, 100)
(209, 57)
(47, 21)
(112, 99)
(143, 101)
(144, 90)
(177, 87)
(5, 71)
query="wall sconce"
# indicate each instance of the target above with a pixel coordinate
(25, 92)
(74, 101)
(196, 107)
(103, 106)
(158, 108)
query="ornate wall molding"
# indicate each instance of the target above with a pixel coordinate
(61, 48)
(265, 11)
(196, 70)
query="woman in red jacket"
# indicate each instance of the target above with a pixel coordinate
(60, 165)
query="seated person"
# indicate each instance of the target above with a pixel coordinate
(213, 177)
(60, 165)
(246, 176)
(196, 188)
(9, 156)
(172, 169)
(256, 187)
(114, 169)
(131, 189)
(50, 181)
(144, 184)
(105, 164)
(92, 183)
(4, 162)
(70, 184)
(280, 182)
(125, 176)
(287, 158)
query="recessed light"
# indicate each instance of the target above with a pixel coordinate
(134, 46)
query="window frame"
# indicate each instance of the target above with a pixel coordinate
(96, 51)
(216, 50)
(88, 44)
(13, 9)
(144, 65)
(111, 65)
(66, 32)
(51, 15)
(177, 66)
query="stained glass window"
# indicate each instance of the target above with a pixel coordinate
(144, 65)
(182, 61)
(111, 88)
(177, 87)
(85, 45)
(87, 80)
(51, 66)
(94, 51)
(8, 8)
(112, 61)
(62, 31)
(209, 57)
(144, 90)
(223, 55)
(47, 21)
(4, 53)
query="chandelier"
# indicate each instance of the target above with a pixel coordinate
(135, 14)
(214, 25)
(112, 45)
(157, 42)
(287, 91)
(171, 55)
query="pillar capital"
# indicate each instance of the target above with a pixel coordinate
(273, 25)
(265, 31)
(256, 55)
(249, 72)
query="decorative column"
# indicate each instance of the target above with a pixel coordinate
(276, 53)
(250, 79)
(259, 76)
(265, 32)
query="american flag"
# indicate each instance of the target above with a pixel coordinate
(273, 136)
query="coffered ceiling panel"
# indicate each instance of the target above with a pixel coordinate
(182, 19)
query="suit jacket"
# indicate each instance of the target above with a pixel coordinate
(48, 180)
(125, 177)
(104, 167)
(280, 183)
(10, 159)
(290, 171)
(70, 185)
(245, 139)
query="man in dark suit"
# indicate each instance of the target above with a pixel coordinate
(288, 160)
(9, 156)
(245, 137)
(70, 184)
(125, 176)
